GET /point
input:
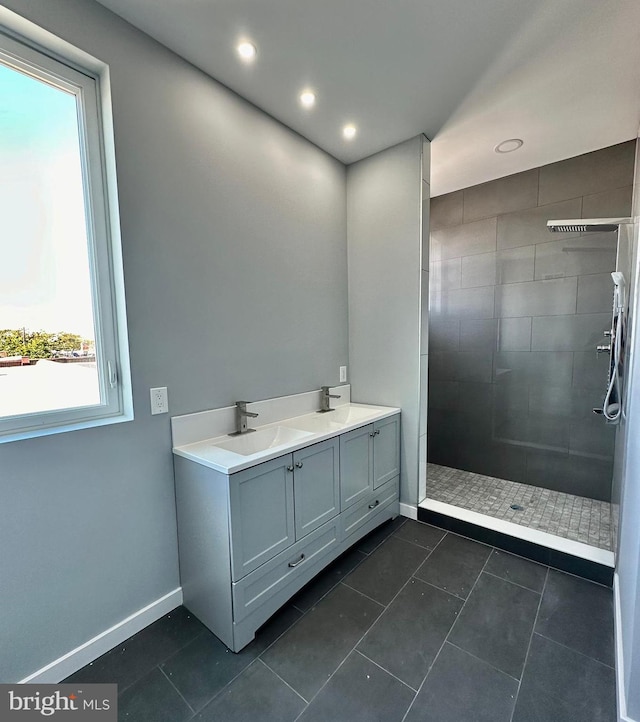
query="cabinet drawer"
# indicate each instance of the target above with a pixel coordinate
(301, 559)
(360, 514)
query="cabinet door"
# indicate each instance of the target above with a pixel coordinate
(356, 465)
(261, 500)
(316, 485)
(386, 450)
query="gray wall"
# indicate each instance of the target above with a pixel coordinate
(514, 321)
(234, 235)
(384, 216)
(627, 488)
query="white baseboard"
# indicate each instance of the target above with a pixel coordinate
(89, 651)
(620, 687)
(409, 510)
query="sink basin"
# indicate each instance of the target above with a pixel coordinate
(333, 420)
(320, 424)
(351, 414)
(261, 440)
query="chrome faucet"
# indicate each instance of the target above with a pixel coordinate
(325, 400)
(241, 418)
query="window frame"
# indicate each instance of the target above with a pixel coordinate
(42, 55)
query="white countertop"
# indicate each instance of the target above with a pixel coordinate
(281, 437)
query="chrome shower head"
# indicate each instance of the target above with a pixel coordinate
(587, 225)
(580, 228)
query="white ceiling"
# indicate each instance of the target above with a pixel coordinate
(563, 75)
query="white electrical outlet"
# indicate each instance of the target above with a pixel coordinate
(343, 374)
(159, 401)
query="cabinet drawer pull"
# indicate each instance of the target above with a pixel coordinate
(298, 465)
(375, 504)
(376, 432)
(289, 468)
(295, 564)
(373, 433)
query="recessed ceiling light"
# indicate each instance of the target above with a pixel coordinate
(349, 131)
(508, 146)
(247, 51)
(308, 98)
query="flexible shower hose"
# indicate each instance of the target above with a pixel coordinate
(611, 409)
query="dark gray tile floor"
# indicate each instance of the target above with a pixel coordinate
(411, 625)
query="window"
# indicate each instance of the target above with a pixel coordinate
(63, 348)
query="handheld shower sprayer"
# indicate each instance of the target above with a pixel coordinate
(618, 292)
(612, 404)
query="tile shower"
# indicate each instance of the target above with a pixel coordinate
(515, 314)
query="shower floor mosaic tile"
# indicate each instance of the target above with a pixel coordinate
(572, 517)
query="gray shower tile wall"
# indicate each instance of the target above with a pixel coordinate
(615, 203)
(464, 240)
(603, 170)
(536, 298)
(527, 227)
(515, 315)
(579, 332)
(515, 264)
(501, 196)
(556, 259)
(594, 292)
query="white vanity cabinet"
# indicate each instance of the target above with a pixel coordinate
(249, 540)
(369, 457)
(280, 501)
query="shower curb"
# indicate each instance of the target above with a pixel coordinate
(585, 568)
